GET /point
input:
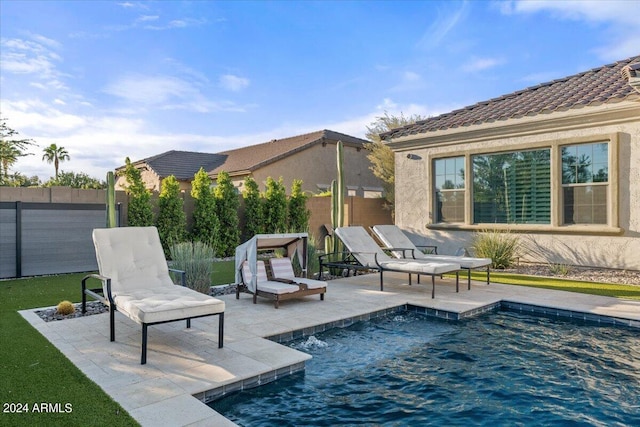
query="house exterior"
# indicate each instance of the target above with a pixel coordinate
(557, 163)
(310, 157)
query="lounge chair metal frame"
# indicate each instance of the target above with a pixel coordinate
(349, 261)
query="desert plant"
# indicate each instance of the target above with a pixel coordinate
(559, 269)
(338, 189)
(501, 246)
(196, 260)
(65, 308)
(227, 205)
(111, 201)
(171, 220)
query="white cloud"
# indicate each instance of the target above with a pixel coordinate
(480, 64)
(622, 17)
(151, 90)
(233, 83)
(442, 26)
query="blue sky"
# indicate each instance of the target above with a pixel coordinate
(111, 79)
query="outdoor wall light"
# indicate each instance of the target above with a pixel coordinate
(413, 157)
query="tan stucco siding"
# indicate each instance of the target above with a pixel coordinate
(616, 245)
(316, 165)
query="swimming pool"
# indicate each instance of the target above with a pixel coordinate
(503, 368)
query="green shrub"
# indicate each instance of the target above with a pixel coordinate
(559, 269)
(171, 221)
(298, 217)
(227, 205)
(139, 210)
(205, 219)
(501, 246)
(196, 260)
(253, 208)
(275, 207)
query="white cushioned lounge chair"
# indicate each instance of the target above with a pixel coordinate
(393, 237)
(136, 282)
(274, 289)
(367, 252)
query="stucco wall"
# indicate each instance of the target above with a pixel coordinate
(317, 165)
(617, 248)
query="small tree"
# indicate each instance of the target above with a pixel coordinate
(11, 149)
(171, 221)
(275, 207)
(227, 204)
(298, 218)
(253, 208)
(76, 180)
(381, 157)
(139, 211)
(205, 219)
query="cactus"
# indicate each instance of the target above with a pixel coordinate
(337, 201)
(111, 200)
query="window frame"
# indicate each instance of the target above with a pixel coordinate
(556, 189)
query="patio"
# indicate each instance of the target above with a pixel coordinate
(186, 363)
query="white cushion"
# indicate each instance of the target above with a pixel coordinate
(264, 284)
(283, 269)
(149, 306)
(420, 266)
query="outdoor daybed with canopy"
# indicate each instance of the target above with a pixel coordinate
(251, 272)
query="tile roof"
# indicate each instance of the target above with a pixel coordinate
(184, 164)
(256, 156)
(606, 84)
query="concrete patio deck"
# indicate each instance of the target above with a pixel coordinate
(185, 368)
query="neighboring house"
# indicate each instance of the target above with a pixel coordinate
(557, 163)
(310, 157)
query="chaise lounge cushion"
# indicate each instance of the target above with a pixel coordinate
(432, 268)
(264, 284)
(282, 269)
(148, 306)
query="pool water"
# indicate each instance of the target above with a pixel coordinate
(499, 369)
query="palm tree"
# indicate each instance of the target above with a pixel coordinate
(54, 154)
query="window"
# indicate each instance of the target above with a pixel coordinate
(449, 187)
(585, 182)
(512, 188)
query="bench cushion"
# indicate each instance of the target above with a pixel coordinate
(420, 267)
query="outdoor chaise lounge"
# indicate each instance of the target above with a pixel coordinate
(393, 237)
(136, 282)
(282, 270)
(275, 289)
(369, 255)
(252, 273)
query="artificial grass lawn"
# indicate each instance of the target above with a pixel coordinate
(593, 288)
(33, 371)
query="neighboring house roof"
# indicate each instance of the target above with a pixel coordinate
(250, 158)
(184, 164)
(606, 84)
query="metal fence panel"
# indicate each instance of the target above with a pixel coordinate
(59, 240)
(8, 240)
